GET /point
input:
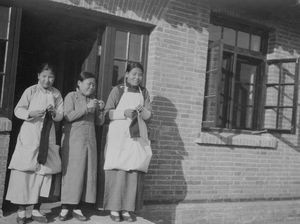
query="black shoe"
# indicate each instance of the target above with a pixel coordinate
(21, 220)
(115, 218)
(79, 217)
(42, 219)
(129, 218)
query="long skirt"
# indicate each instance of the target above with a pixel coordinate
(25, 188)
(123, 190)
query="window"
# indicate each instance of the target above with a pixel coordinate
(281, 95)
(4, 31)
(243, 90)
(129, 47)
(233, 79)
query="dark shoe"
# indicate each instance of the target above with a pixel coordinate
(128, 218)
(79, 217)
(21, 220)
(42, 219)
(115, 218)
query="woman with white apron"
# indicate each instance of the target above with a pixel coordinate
(31, 175)
(127, 151)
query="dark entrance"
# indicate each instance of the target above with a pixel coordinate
(71, 43)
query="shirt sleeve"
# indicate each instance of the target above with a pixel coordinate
(147, 111)
(21, 110)
(59, 108)
(111, 104)
(70, 112)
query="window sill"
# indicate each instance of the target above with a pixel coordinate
(254, 140)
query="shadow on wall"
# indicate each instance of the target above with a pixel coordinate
(165, 182)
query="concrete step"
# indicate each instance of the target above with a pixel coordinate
(52, 211)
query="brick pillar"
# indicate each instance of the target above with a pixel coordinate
(5, 128)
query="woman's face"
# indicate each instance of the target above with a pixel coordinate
(135, 76)
(87, 86)
(46, 78)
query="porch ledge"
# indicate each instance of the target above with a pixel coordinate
(5, 124)
(264, 140)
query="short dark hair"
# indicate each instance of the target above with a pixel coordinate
(46, 66)
(85, 75)
(132, 65)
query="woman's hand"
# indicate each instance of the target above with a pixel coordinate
(101, 104)
(91, 105)
(130, 113)
(51, 109)
(36, 113)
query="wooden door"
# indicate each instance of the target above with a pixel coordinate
(10, 20)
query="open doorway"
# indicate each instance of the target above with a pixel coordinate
(71, 43)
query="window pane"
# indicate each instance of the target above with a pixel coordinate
(285, 118)
(273, 73)
(229, 36)
(225, 89)
(118, 72)
(2, 54)
(209, 109)
(270, 118)
(287, 95)
(212, 73)
(255, 42)
(272, 95)
(243, 40)
(121, 45)
(288, 70)
(135, 44)
(4, 15)
(214, 32)
(244, 94)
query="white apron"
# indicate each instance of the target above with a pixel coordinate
(27, 147)
(121, 151)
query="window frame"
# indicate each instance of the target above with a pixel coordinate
(261, 55)
(292, 130)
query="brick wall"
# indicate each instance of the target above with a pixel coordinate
(175, 78)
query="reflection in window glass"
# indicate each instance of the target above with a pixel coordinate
(287, 95)
(285, 118)
(2, 54)
(243, 40)
(214, 32)
(118, 72)
(135, 44)
(270, 118)
(121, 45)
(229, 36)
(255, 43)
(4, 15)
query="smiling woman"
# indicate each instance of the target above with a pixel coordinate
(128, 151)
(31, 173)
